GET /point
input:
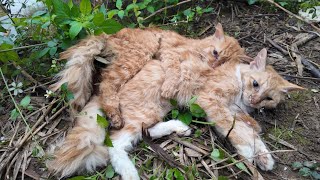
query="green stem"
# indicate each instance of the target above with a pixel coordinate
(14, 102)
(202, 122)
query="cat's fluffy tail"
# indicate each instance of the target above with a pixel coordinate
(83, 148)
(79, 68)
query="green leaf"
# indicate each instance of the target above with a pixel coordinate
(14, 114)
(178, 175)
(110, 26)
(197, 133)
(185, 118)
(187, 12)
(75, 12)
(70, 4)
(98, 19)
(315, 175)
(174, 113)
(305, 172)
(207, 10)
(121, 14)
(112, 13)
(119, 4)
(42, 53)
(78, 178)
(173, 102)
(51, 43)
(107, 140)
(192, 100)
(61, 10)
(296, 165)
(64, 87)
(38, 13)
(197, 111)
(2, 29)
(25, 101)
(85, 7)
(243, 167)
(311, 164)
(9, 55)
(103, 9)
(150, 9)
(109, 171)
(102, 121)
(283, 3)
(169, 174)
(250, 2)
(69, 95)
(223, 178)
(53, 51)
(217, 154)
(75, 29)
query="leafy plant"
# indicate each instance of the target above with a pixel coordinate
(24, 105)
(307, 169)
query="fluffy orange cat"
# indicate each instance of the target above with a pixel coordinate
(227, 94)
(129, 50)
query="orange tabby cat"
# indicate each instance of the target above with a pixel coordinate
(227, 94)
(129, 50)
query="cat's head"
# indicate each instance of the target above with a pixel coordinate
(263, 86)
(220, 48)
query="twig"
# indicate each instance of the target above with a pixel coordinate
(22, 47)
(14, 102)
(313, 70)
(167, 7)
(294, 15)
(189, 145)
(274, 44)
(298, 77)
(205, 165)
(28, 76)
(241, 160)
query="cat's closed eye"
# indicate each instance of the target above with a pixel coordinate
(268, 98)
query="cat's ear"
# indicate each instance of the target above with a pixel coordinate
(259, 62)
(289, 87)
(219, 34)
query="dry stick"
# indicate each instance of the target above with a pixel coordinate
(22, 47)
(189, 145)
(25, 138)
(241, 160)
(205, 165)
(28, 76)
(294, 15)
(167, 7)
(253, 169)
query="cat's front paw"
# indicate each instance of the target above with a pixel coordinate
(265, 160)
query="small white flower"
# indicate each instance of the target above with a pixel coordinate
(16, 88)
(49, 93)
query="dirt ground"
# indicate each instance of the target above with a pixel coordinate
(294, 125)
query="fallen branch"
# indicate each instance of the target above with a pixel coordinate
(22, 47)
(313, 70)
(165, 8)
(294, 15)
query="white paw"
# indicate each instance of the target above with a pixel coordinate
(265, 160)
(182, 129)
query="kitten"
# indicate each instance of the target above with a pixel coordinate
(129, 50)
(227, 94)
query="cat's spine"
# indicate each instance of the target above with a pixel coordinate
(79, 68)
(83, 148)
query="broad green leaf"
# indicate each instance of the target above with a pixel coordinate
(53, 51)
(51, 43)
(107, 140)
(112, 13)
(9, 55)
(315, 175)
(174, 113)
(75, 29)
(85, 7)
(119, 4)
(121, 14)
(109, 171)
(185, 118)
(25, 101)
(70, 4)
(217, 154)
(305, 172)
(75, 12)
(296, 165)
(169, 174)
(187, 12)
(102, 121)
(197, 111)
(61, 10)
(132, 6)
(103, 9)
(98, 19)
(310, 164)
(38, 13)
(110, 26)
(42, 53)
(150, 9)
(283, 3)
